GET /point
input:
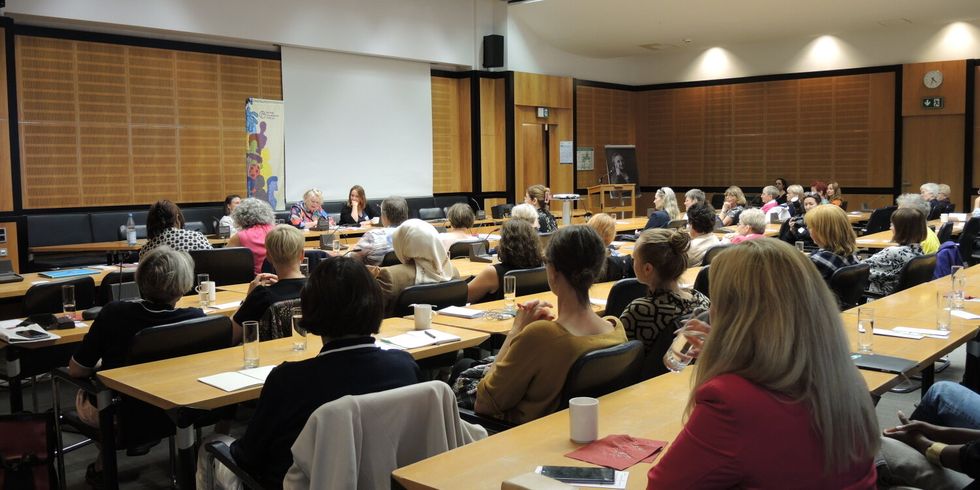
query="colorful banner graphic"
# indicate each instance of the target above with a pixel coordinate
(264, 156)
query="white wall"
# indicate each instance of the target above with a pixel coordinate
(356, 120)
(437, 31)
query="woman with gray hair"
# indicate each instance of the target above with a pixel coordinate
(163, 276)
(751, 225)
(254, 218)
(527, 213)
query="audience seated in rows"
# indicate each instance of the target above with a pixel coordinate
(524, 381)
(163, 276)
(284, 247)
(461, 219)
(931, 243)
(735, 203)
(832, 232)
(254, 219)
(231, 202)
(665, 203)
(357, 211)
(659, 260)
(344, 305)
(775, 399)
(701, 227)
(308, 213)
(618, 266)
(539, 196)
(751, 226)
(519, 248)
(423, 261)
(909, 226)
(795, 229)
(376, 243)
(165, 226)
(692, 197)
(942, 196)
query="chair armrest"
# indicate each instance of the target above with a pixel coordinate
(222, 453)
(89, 385)
(491, 424)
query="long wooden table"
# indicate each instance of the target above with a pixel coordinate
(883, 239)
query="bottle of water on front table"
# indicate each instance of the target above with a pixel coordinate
(130, 230)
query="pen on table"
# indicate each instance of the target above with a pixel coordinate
(429, 333)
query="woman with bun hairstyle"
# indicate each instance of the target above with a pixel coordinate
(539, 197)
(659, 259)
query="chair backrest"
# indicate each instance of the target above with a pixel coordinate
(184, 338)
(228, 265)
(718, 200)
(197, 226)
(710, 254)
(843, 205)
(967, 238)
(916, 271)
(462, 248)
(945, 232)
(849, 284)
(439, 295)
(603, 371)
(880, 220)
(104, 294)
(622, 294)
(677, 223)
(530, 281)
(500, 210)
(390, 258)
(701, 281)
(140, 232)
(431, 213)
(277, 321)
(46, 296)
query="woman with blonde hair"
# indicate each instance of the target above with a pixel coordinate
(735, 203)
(539, 196)
(776, 400)
(666, 204)
(832, 232)
(308, 212)
(794, 199)
(618, 266)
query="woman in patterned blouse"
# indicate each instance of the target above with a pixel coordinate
(306, 214)
(909, 228)
(165, 226)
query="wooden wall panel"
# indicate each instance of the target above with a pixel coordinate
(932, 151)
(6, 179)
(449, 151)
(105, 124)
(532, 91)
(953, 89)
(493, 135)
(602, 117)
(542, 90)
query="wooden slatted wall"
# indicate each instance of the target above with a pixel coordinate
(6, 177)
(608, 121)
(107, 124)
(451, 129)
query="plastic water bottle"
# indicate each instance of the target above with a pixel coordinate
(130, 231)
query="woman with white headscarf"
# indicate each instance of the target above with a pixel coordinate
(423, 261)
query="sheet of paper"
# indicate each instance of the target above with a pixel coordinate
(460, 312)
(928, 332)
(225, 306)
(230, 381)
(966, 315)
(597, 301)
(386, 345)
(891, 333)
(260, 373)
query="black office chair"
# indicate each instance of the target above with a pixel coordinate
(228, 265)
(843, 205)
(500, 210)
(710, 254)
(677, 223)
(967, 242)
(603, 371)
(197, 226)
(222, 452)
(277, 321)
(462, 248)
(46, 296)
(916, 271)
(880, 220)
(129, 423)
(140, 232)
(390, 258)
(530, 281)
(718, 200)
(104, 293)
(701, 282)
(945, 232)
(431, 214)
(439, 295)
(849, 283)
(622, 294)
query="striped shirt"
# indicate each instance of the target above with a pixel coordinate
(828, 262)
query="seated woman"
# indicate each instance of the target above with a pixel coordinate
(795, 229)
(342, 304)
(254, 219)
(834, 194)
(832, 232)
(909, 228)
(618, 266)
(794, 199)
(659, 259)
(527, 213)
(783, 187)
(519, 248)
(461, 218)
(524, 381)
(666, 204)
(931, 243)
(734, 205)
(231, 202)
(537, 196)
(701, 227)
(751, 226)
(423, 261)
(357, 210)
(284, 248)
(165, 226)
(692, 197)
(774, 366)
(819, 188)
(306, 214)
(769, 201)
(163, 276)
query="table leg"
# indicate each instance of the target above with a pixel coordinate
(13, 380)
(107, 427)
(928, 378)
(186, 459)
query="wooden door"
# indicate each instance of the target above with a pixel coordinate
(533, 164)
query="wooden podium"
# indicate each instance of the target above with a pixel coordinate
(626, 199)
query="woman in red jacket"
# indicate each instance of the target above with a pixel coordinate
(776, 400)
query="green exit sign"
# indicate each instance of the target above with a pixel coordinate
(932, 102)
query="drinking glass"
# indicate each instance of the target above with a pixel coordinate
(510, 293)
(944, 309)
(801, 246)
(202, 278)
(866, 327)
(959, 285)
(304, 267)
(250, 342)
(679, 355)
(336, 246)
(68, 299)
(299, 333)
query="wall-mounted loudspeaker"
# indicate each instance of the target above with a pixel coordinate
(493, 51)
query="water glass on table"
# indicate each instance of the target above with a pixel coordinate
(510, 294)
(801, 246)
(866, 329)
(944, 309)
(679, 355)
(68, 300)
(958, 278)
(250, 343)
(299, 333)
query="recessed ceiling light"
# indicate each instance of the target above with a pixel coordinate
(897, 22)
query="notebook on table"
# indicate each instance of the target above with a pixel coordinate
(63, 273)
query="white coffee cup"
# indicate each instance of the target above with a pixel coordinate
(583, 418)
(423, 317)
(212, 290)
(943, 218)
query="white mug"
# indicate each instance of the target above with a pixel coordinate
(423, 317)
(212, 290)
(944, 217)
(583, 418)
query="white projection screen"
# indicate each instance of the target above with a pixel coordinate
(356, 120)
